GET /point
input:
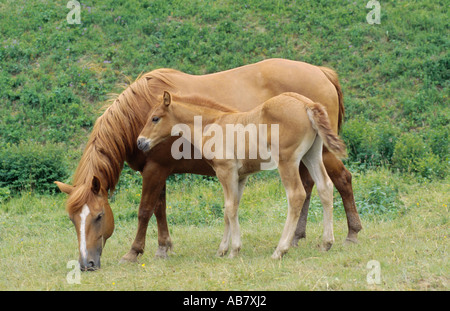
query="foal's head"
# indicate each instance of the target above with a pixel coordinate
(89, 211)
(158, 126)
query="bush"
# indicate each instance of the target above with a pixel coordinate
(412, 154)
(5, 194)
(32, 167)
(437, 138)
(377, 194)
(369, 143)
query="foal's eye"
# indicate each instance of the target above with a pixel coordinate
(155, 119)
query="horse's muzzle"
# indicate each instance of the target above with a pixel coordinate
(90, 266)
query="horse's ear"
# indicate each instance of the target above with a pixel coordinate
(64, 187)
(167, 99)
(96, 185)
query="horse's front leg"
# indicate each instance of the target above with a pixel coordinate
(153, 183)
(164, 240)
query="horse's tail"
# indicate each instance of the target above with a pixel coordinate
(333, 77)
(320, 122)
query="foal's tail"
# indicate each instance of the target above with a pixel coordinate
(320, 122)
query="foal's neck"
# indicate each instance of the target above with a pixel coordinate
(185, 114)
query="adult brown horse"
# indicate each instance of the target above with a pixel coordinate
(113, 141)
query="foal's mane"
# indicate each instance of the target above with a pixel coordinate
(114, 135)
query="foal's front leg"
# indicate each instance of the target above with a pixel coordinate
(223, 247)
(233, 188)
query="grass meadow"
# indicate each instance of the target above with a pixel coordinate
(411, 244)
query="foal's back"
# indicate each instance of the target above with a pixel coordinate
(288, 110)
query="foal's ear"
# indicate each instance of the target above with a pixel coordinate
(167, 99)
(96, 185)
(64, 187)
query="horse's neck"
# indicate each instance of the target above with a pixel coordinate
(100, 162)
(109, 147)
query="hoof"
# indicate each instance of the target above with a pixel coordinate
(351, 240)
(325, 246)
(233, 253)
(221, 253)
(294, 242)
(162, 251)
(352, 236)
(297, 238)
(131, 256)
(277, 255)
(223, 250)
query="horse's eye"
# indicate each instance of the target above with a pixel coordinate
(99, 216)
(155, 119)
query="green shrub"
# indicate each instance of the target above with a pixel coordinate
(437, 138)
(5, 194)
(370, 143)
(377, 194)
(412, 154)
(355, 133)
(430, 166)
(32, 167)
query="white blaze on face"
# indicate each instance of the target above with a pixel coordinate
(83, 215)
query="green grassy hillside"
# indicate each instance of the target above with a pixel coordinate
(395, 76)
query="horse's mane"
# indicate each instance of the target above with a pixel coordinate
(202, 101)
(114, 136)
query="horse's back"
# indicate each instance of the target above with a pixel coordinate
(248, 86)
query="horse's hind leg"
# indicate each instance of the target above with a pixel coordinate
(295, 192)
(342, 180)
(313, 161)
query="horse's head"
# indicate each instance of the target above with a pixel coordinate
(89, 211)
(158, 126)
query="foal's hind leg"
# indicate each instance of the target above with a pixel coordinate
(308, 184)
(313, 161)
(295, 192)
